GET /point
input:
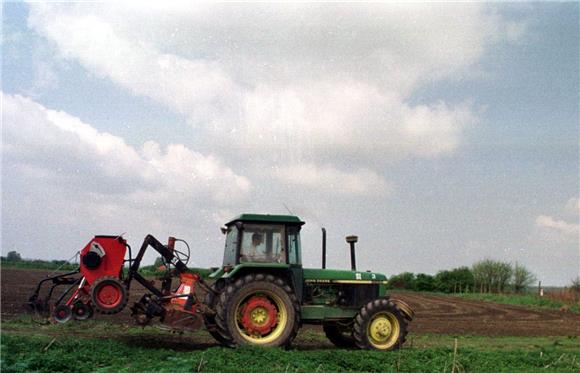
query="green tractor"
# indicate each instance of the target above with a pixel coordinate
(262, 295)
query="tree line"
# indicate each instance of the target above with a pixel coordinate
(485, 276)
(14, 259)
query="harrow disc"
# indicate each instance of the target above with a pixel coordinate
(62, 313)
(82, 311)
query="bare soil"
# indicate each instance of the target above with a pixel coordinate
(433, 313)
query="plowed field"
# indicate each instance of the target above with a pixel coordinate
(434, 313)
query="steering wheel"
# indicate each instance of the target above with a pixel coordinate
(181, 255)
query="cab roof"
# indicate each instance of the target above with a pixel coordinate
(266, 218)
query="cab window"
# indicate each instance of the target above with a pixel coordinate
(294, 245)
(230, 249)
(263, 243)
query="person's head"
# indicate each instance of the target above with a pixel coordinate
(256, 239)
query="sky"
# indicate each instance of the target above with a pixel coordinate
(439, 133)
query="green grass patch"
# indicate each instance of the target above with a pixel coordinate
(61, 265)
(38, 264)
(531, 300)
(102, 347)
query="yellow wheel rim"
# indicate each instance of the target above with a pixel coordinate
(260, 316)
(383, 330)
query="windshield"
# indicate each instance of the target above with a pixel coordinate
(263, 243)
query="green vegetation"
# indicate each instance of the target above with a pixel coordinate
(37, 264)
(13, 260)
(154, 271)
(485, 276)
(98, 346)
(446, 281)
(522, 300)
(523, 278)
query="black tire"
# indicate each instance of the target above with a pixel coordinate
(388, 321)
(258, 286)
(339, 336)
(115, 298)
(211, 300)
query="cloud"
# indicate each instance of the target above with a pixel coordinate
(573, 206)
(549, 222)
(52, 159)
(332, 80)
(330, 180)
(565, 230)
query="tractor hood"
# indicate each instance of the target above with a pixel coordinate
(334, 276)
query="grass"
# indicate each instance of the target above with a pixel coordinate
(531, 300)
(102, 347)
(38, 264)
(61, 265)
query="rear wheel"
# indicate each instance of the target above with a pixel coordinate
(258, 309)
(109, 295)
(380, 325)
(340, 336)
(210, 300)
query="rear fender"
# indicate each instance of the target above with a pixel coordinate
(405, 308)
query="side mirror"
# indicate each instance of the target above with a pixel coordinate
(224, 230)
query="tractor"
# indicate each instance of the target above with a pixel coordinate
(260, 295)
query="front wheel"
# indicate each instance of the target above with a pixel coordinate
(380, 325)
(258, 309)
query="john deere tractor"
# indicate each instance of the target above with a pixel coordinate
(262, 295)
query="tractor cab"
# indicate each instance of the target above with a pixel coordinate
(273, 239)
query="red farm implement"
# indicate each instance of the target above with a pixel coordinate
(100, 284)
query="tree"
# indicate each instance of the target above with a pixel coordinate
(575, 284)
(504, 274)
(13, 256)
(491, 275)
(455, 280)
(523, 278)
(405, 280)
(424, 282)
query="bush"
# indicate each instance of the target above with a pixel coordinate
(424, 282)
(575, 284)
(405, 280)
(454, 281)
(492, 275)
(13, 256)
(523, 278)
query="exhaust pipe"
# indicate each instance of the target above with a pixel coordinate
(352, 240)
(323, 248)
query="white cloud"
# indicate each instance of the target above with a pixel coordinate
(329, 79)
(565, 230)
(63, 181)
(328, 179)
(55, 147)
(573, 206)
(545, 221)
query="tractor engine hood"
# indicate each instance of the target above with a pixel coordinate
(337, 276)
